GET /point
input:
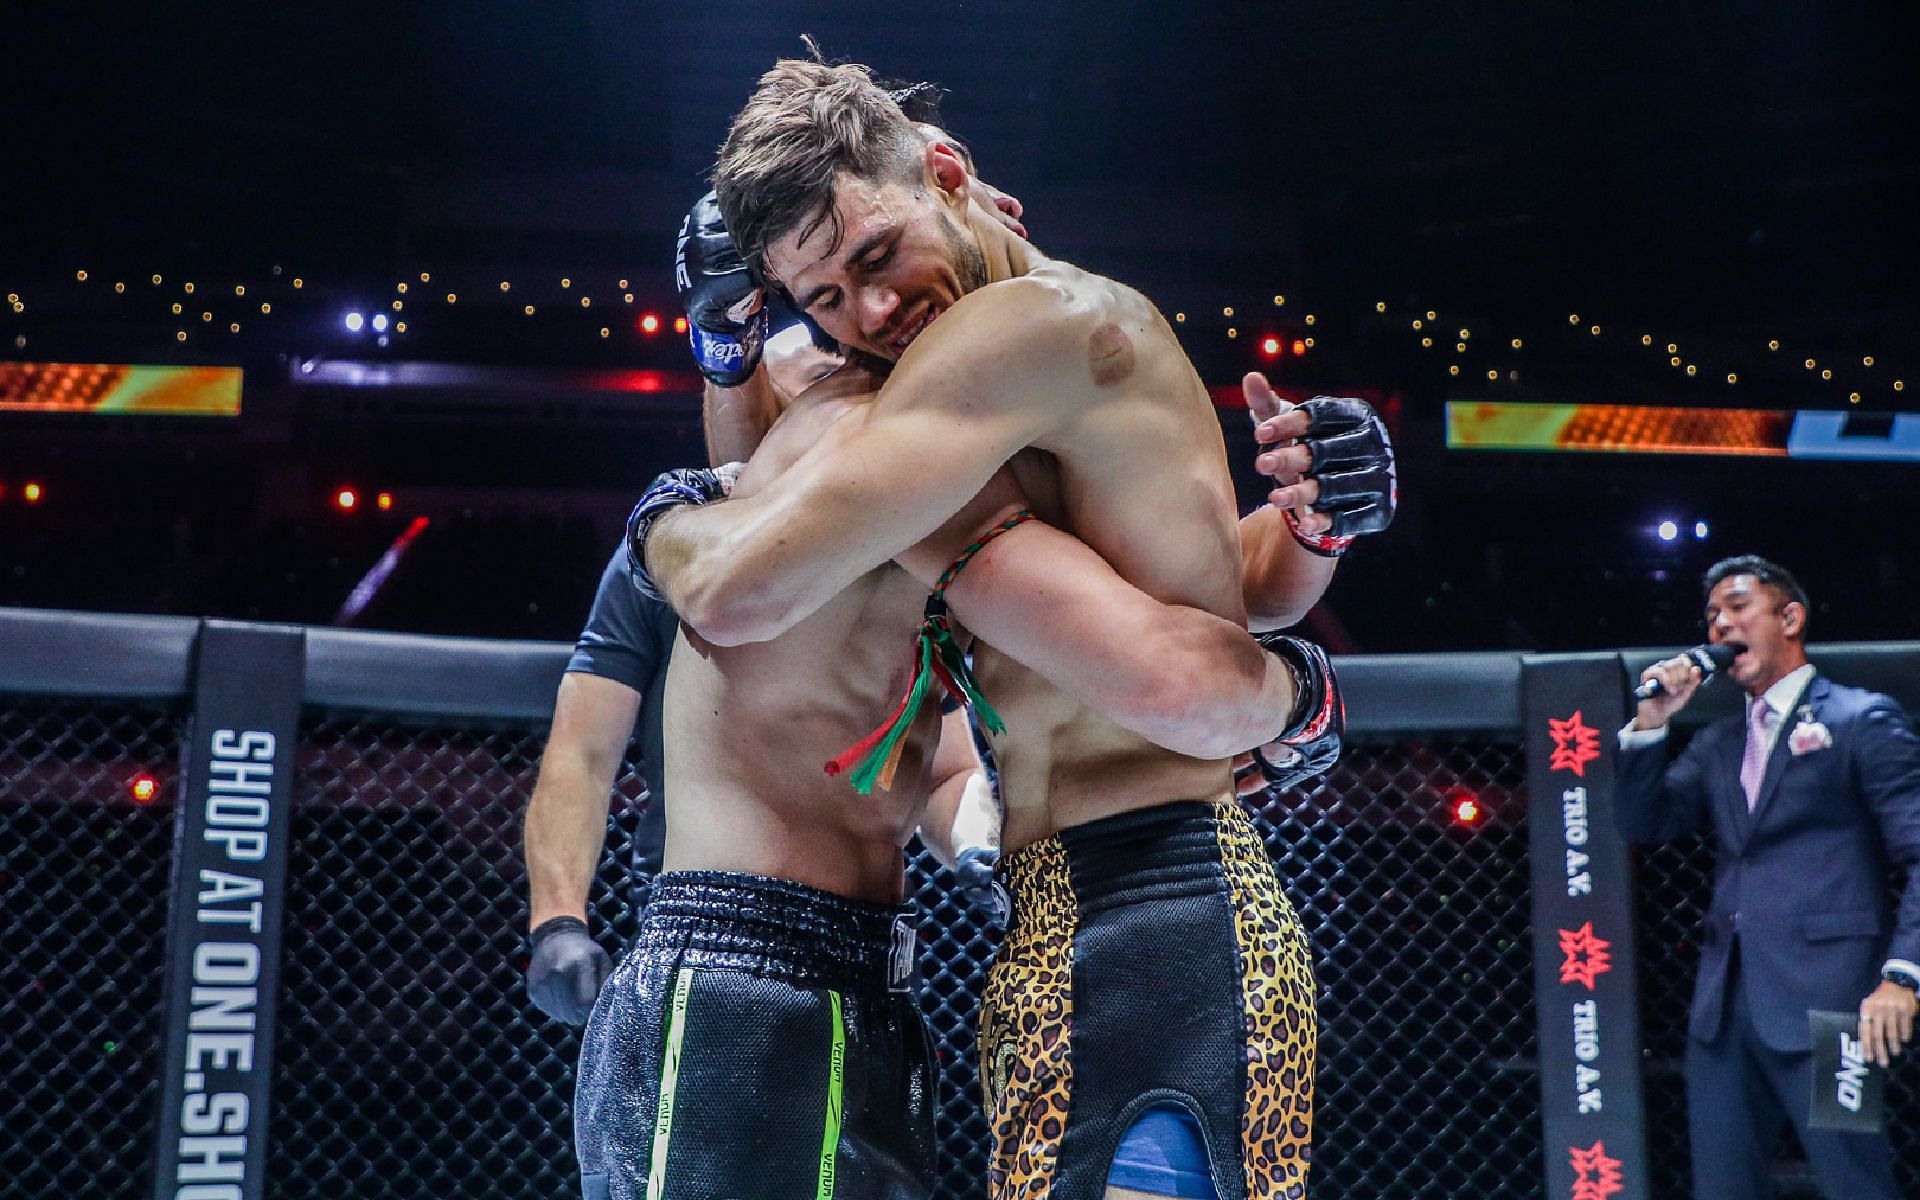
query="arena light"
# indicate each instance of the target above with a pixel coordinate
(1299, 347)
(1270, 346)
(346, 499)
(384, 501)
(355, 322)
(31, 493)
(1700, 530)
(1668, 530)
(1464, 806)
(650, 324)
(144, 788)
(379, 322)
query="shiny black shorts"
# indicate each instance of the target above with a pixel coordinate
(758, 1040)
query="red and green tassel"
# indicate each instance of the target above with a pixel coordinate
(874, 759)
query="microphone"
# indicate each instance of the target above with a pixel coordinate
(1709, 659)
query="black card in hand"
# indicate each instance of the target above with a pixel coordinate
(1849, 1092)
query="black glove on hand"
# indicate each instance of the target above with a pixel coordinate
(725, 304)
(1353, 460)
(973, 867)
(567, 970)
(1319, 721)
(670, 490)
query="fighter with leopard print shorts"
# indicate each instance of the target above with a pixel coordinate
(1151, 964)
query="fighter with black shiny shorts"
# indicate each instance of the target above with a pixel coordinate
(757, 1011)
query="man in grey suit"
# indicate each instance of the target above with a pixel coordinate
(1809, 796)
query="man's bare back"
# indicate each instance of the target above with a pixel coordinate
(748, 727)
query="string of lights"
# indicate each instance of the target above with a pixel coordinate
(197, 313)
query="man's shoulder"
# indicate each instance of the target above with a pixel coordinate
(1848, 702)
(1056, 304)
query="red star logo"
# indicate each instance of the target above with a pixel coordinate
(1575, 744)
(1587, 955)
(1595, 1176)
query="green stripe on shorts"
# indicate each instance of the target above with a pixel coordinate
(670, 1079)
(836, 1074)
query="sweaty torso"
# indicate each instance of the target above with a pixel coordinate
(1140, 475)
(749, 728)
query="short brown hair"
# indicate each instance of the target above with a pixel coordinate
(807, 123)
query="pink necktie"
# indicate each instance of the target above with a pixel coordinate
(1753, 763)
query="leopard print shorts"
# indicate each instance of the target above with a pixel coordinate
(1151, 958)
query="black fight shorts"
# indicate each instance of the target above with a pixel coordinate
(1151, 960)
(759, 1040)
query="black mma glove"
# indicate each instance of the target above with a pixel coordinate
(1353, 460)
(670, 490)
(1319, 720)
(973, 868)
(567, 970)
(724, 301)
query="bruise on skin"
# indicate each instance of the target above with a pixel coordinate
(1109, 354)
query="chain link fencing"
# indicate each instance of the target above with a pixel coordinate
(84, 869)
(408, 1060)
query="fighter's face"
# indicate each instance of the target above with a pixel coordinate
(901, 259)
(1742, 611)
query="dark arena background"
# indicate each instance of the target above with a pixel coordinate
(337, 342)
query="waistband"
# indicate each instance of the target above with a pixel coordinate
(776, 927)
(1169, 850)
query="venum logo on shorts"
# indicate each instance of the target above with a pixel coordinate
(1575, 744)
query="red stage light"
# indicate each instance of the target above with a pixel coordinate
(31, 493)
(384, 500)
(144, 787)
(679, 324)
(1465, 806)
(650, 324)
(1299, 347)
(1270, 346)
(346, 499)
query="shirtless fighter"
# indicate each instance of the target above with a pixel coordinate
(1152, 961)
(759, 1039)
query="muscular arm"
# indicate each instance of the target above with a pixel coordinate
(736, 418)
(1180, 677)
(1281, 578)
(881, 479)
(566, 824)
(961, 813)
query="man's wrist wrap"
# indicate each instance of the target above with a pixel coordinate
(671, 490)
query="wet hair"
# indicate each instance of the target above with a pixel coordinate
(1763, 571)
(807, 123)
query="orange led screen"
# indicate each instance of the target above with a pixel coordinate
(110, 388)
(1641, 429)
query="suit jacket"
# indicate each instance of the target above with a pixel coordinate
(1801, 882)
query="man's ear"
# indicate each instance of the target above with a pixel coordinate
(946, 172)
(1793, 619)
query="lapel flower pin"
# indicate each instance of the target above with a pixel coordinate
(1809, 735)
